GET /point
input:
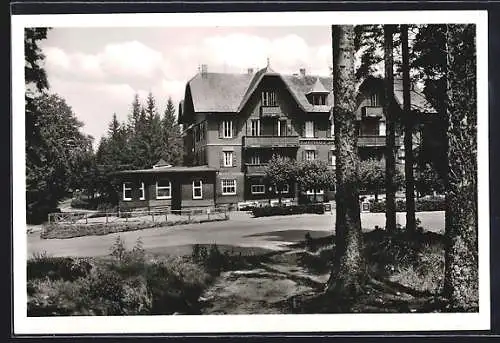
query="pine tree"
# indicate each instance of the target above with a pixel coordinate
(408, 138)
(461, 235)
(349, 273)
(390, 156)
(172, 145)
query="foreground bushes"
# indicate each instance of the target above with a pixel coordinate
(268, 211)
(128, 284)
(421, 205)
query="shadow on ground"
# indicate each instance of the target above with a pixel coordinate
(406, 274)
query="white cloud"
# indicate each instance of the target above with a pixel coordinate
(122, 61)
(131, 58)
(56, 58)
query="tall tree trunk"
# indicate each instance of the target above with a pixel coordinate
(408, 140)
(461, 250)
(390, 165)
(349, 272)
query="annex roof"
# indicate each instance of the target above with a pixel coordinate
(169, 169)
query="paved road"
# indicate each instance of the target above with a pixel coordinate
(241, 230)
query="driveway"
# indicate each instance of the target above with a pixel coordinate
(241, 230)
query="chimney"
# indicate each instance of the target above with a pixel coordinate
(204, 70)
(250, 71)
(302, 72)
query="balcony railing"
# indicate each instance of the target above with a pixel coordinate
(270, 111)
(270, 141)
(373, 111)
(374, 141)
(255, 169)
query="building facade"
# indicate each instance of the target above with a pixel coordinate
(234, 123)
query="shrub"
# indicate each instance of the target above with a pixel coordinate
(175, 285)
(54, 268)
(431, 204)
(268, 211)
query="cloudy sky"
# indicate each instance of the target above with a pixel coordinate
(98, 70)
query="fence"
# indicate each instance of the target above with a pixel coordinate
(152, 214)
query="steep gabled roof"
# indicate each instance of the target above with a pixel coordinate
(417, 97)
(218, 92)
(228, 93)
(258, 78)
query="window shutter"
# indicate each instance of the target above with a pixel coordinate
(234, 124)
(315, 129)
(303, 155)
(220, 129)
(222, 159)
(329, 130)
(234, 159)
(304, 129)
(330, 157)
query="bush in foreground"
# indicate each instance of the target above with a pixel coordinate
(127, 283)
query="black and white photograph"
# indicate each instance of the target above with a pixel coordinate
(241, 172)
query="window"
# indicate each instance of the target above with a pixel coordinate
(227, 129)
(255, 127)
(333, 158)
(282, 127)
(310, 155)
(258, 189)
(255, 158)
(143, 192)
(228, 158)
(197, 189)
(202, 130)
(228, 186)
(284, 190)
(332, 129)
(319, 99)
(269, 99)
(381, 128)
(374, 99)
(311, 192)
(127, 191)
(309, 129)
(163, 189)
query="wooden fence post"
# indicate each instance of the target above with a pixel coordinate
(189, 216)
(153, 216)
(106, 212)
(86, 218)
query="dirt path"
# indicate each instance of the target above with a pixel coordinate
(266, 289)
(282, 286)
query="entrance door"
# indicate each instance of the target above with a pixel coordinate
(176, 193)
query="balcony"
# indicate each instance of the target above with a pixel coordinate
(255, 169)
(374, 141)
(270, 111)
(270, 141)
(373, 111)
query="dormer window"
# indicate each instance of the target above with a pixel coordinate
(317, 95)
(318, 99)
(269, 99)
